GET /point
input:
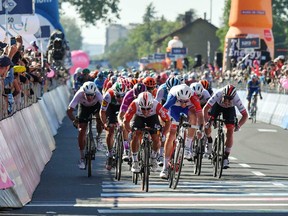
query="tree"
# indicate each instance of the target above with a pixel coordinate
(72, 33)
(93, 11)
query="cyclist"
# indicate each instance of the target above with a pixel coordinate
(203, 96)
(161, 97)
(150, 84)
(162, 92)
(99, 80)
(112, 100)
(253, 87)
(224, 101)
(89, 100)
(206, 86)
(145, 110)
(127, 100)
(181, 99)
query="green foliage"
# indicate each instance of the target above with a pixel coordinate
(72, 33)
(93, 11)
(140, 41)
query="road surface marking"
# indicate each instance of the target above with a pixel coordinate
(267, 130)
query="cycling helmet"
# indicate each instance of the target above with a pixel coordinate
(89, 87)
(78, 70)
(86, 71)
(254, 76)
(145, 100)
(149, 82)
(197, 88)
(204, 83)
(138, 88)
(229, 91)
(119, 88)
(184, 92)
(133, 81)
(172, 81)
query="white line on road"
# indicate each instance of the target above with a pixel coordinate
(267, 130)
(244, 165)
(258, 173)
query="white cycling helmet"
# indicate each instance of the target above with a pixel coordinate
(197, 88)
(89, 87)
(145, 100)
(184, 92)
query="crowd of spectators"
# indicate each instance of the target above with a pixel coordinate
(23, 76)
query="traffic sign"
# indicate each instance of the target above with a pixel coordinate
(159, 56)
(17, 7)
(179, 51)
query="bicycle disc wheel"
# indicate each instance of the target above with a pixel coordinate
(88, 155)
(178, 162)
(145, 176)
(119, 153)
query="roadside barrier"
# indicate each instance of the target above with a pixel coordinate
(26, 145)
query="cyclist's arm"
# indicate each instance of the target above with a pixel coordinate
(70, 113)
(105, 103)
(129, 115)
(171, 99)
(163, 113)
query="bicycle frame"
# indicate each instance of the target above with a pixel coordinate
(144, 156)
(218, 149)
(118, 151)
(90, 148)
(176, 161)
(253, 108)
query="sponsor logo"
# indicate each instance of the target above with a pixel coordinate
(267, 35)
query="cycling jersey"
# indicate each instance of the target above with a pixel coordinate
(172, 100)
(162, 93)
(157, 108)
(127, 100)
(253, 86)
(205, 96)
(109, 98)
(80, 98)
(218, 98)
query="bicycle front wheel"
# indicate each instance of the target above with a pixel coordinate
(146, 168)
(219, 160)
(118, 154)
(88, 155)
(178, 163)
(198, 149)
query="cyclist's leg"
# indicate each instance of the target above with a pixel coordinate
(229, 115)
(135, 143)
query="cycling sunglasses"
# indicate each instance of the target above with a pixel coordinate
(183, 101)
(119, 95)
(142, 108)
(228, 98)
(150, 88)
(90, 95)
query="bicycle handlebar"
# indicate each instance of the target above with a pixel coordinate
(186, 125)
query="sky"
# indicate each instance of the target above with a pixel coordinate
(132, 11)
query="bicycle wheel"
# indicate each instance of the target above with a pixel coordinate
(220, 156)
(198, 149)
(118, 155)
(171, 166)
(214, 156)
(88, 155)
(178, 163)
(146, 167)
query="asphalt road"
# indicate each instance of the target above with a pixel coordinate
(255, 184)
